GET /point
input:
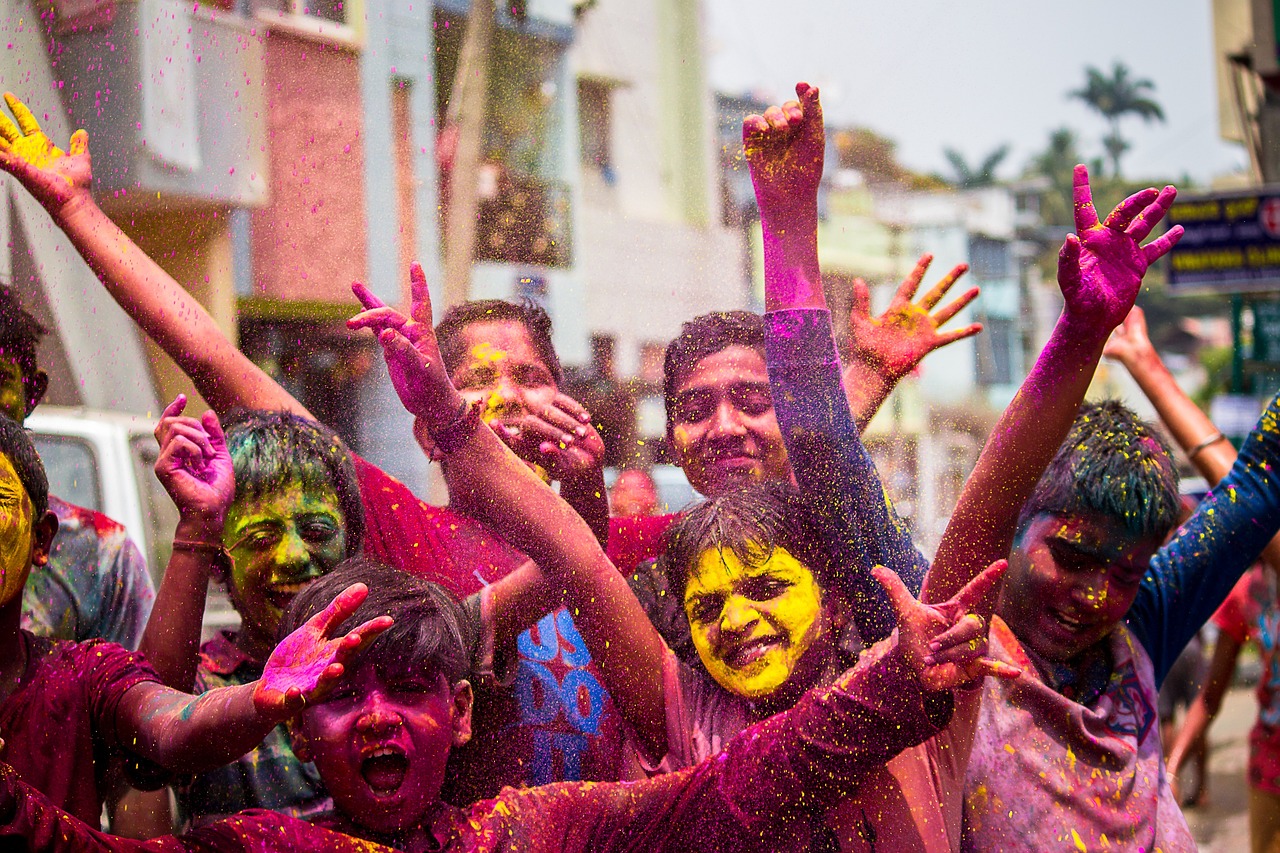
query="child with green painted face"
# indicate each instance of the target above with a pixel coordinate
(287, 513)
(69, 711)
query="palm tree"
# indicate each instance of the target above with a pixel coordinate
(969, 177)
(1115, 97)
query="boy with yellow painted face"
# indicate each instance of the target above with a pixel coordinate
(69, 710)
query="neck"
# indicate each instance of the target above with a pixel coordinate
(13, 656)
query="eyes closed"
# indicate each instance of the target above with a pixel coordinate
(1071, 558)
(524, 375)
(760, 588)
(318, 530)
(698, 404)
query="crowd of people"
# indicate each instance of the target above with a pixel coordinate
(775, 667)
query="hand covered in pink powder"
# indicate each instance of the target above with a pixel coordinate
(895, 342)
(413, 356)
(784, 150)
(195, 467)
(307, 664)
(946, 643)
(560, 438)
(56, 178)
(1100, 267)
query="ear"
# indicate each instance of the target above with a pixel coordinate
(36, 386)
(298, 740)
(42, 533)
(462, 699)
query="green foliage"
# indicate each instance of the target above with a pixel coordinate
(970, 177)
(1114, 97)
(1217, 367)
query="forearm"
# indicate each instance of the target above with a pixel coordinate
(487, 476)
(587, 496)
(833, 469)
(1024, 441)
(792, 277)
(170, 316)
(815, 754)
(1188, 425)
(171, 641)
(191, 734)
(31, 822)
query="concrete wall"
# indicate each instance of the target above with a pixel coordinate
(309, 241)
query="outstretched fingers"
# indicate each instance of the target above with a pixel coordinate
(1126, 211)
(340, 609)
(934, 295)
(1159, 247)
(26, 121)
(900, 598)
(1152, 214)
(981, 587)
(1082, 196)
(907, 290)
(366, 296)
(945, 313)
(420, 294)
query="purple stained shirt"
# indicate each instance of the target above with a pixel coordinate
(765, 791)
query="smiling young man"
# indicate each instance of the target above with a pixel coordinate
(1094, 611)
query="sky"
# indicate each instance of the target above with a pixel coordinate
(975, 74)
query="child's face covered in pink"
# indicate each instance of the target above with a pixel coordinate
(1071, 580)
(381, 745)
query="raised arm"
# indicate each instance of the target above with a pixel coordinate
(191, 734)
(888, 347)
(526, 512)
(1100, 269)
(784, 150)
(165, 311)
(1205, 445)
(195, 468)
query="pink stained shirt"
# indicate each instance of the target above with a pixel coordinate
(1048, 773)
(59, 726)
(913, 803)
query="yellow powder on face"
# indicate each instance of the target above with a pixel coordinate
(15, 532)
(777, 604)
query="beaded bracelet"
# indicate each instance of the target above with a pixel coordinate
(219, 556)
(455, 434)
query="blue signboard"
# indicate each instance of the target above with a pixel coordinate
(1232, 244)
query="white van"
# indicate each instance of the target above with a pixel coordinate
(105, 461)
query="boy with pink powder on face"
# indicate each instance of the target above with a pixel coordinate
(69, 711)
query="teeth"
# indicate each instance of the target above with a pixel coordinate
(381, 751)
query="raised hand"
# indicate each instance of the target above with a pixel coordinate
(895, 342)
(1100, 268)
(560, 439)
(1129, 341)
(56, 178)
(947, 643)
(413, 356)
(194, 466)
(784, 150)
(307, 664)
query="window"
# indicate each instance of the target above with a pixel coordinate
(72, 468)
(989, 259)
(994, 349)
(595, 126)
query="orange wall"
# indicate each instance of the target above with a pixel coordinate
(309, 242)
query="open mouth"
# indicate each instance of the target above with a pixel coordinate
(1069, 623)
(384, 768)
(750, 652)
(281, 594)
